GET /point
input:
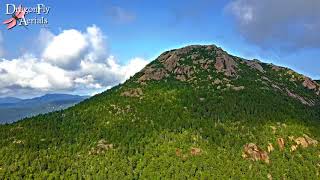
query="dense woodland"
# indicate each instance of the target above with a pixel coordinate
(173, 130)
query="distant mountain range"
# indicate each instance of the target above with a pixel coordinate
(9, 100)
(13, 109)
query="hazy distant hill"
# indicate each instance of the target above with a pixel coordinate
(193, 113)
(13, 109)
(9, 100)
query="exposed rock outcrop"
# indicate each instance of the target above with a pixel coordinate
(133, 93)
(224, 63)
(101, 147)
(300, 98)
(170, 60)
(276, 68)
(195, 151)
(255, 64)
(181, 77)
(150, 73)
(204, 63)
(18, 142)
(308, 83)
(276, 87)
(185, 64)
(217, 81)
(304, 142)
(238, 88)
(172, 65)
(186, 70)
(253, 152)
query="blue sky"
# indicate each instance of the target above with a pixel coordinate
(135, 32)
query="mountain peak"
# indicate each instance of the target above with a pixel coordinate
(186, 61)
(211, 64)
(183, 61)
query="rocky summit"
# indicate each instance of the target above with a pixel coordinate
(193, 113)
(195, 64)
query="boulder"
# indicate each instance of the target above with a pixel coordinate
(280, 142)
(181, 77)
(293, 148)
(238, 88)
(308, 83)
(102, 147)
(133, 93)
(304, 141)
(310, 141)
(270, 147)
(18, 142)
(195, 151)
(217, 81)
(253, 152)
(178, 152)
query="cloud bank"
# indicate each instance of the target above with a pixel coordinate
(286, 24)
(71, 61)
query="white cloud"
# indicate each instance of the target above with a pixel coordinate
(29, 73)
(71, 62)
(66, 49)
(135, 65)
(97, 43)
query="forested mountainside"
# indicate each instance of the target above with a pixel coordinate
(195, 112)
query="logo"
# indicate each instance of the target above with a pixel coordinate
(18, 15)
(12, 22)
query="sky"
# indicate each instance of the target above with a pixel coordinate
(89, 46)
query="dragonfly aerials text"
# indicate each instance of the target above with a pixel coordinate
(38, 9)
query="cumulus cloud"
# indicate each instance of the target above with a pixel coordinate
(285, 24)
(65, 49)
(28, 72)
(72, 61)
(97, 46)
